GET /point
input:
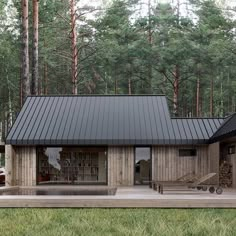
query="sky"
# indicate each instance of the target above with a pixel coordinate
(143, 5)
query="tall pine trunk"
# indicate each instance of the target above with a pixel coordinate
(129, 86)
(35, 65)
(150, 45)
(176, 90)
(198, 98)
(211, 98)
(45, 76)
(25, 51)
(74, 48)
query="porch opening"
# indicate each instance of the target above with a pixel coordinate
(143, 168)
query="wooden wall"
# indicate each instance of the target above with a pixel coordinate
(230, 158)
(120, 166)
(21, 166)
(168, 165)
(214, 160)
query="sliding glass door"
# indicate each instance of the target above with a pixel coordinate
(142, 173)
(68, 165)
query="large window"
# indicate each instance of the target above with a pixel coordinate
(72, 165)
(142, 165)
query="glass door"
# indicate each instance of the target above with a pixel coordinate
(72, 165)
(142, 171)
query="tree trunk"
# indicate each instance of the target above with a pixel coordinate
(129, 85)
(45, 75)
(25, 51)
(198, 98)
(74, 48)
(116, 86)
(212, 98)
(150, 45)
(176, 90)
(35, 66)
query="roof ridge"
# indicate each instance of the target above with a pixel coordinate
(99, 95)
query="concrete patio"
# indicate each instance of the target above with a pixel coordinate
(125, 197)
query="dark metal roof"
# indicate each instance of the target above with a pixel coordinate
(227, 129)
(195, 130)
(105, 120)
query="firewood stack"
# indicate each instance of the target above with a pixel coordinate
(226, 174)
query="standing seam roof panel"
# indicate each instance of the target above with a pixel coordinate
(143, 127)
(198, 129)
(43, 119)
(203, 129)
(18, 119)
(208, 128)
(64, 122)
(176, 129)
(56, 126)
(69, 121)
(80, 121)
(91, 120)
(90, 127)
(78, 110)
(132, 118)
(47, 125)
(53, 120)
(126, 126)
(152, 121)
(20, 122)
(27, 121)
(148, 120)
(137, 122)
(167, 120)
(159, 122)
(99, 128)
(34, 129)
(192, 129)
(84, 122)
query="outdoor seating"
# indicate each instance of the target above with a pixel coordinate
(198, 183)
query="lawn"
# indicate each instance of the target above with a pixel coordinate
(46, 222)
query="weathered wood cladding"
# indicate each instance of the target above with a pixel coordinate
(21, 167)
(167, 165)
(8, 164)
(214, 160)
(120, 165)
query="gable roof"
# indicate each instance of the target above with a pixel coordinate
(226, 130)
(105, 120)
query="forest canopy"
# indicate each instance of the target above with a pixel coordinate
(119, 47)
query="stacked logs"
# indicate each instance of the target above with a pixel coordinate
(226, 176)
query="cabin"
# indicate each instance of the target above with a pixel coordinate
(114, 140)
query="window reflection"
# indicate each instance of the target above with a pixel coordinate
(142, 165)
(72, 165)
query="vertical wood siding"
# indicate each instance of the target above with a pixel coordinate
(166, 164)
(9, 165)
(214, 160)
(169, 166)
(120, 166)
(23, 166)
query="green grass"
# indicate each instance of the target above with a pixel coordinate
(138, 222)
